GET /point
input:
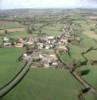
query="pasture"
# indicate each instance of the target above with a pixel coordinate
(46, 84)
(39, 84)
(9, 65)
(9, 25)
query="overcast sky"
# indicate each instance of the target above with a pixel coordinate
(12, 4)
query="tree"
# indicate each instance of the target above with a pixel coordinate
(29, 31)
(84, 72)
(6, 32)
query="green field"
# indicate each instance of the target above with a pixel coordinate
(18, 34)
(42, 84)
(8, 25)
(76, 49)
(9, 65)
(54, 29)
(39, 84)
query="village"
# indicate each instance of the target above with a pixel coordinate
(42, 48)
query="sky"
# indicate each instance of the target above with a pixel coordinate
(14, 4)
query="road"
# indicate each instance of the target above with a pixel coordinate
(11, 84)
(83, 82)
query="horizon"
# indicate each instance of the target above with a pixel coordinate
(49, 8)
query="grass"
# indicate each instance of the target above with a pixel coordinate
(50, 29)
(87, 29)
(87, 42)
(8, 25)
(55, 29)
(39, 84)
(90, 96)
(49, 84)
(8, 64)
(91, 77)
(18, 34)
(76, 54)
(91, 34)
(42, 84)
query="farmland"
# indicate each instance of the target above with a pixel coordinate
(9, 24)
(44, 83)
(9, 64)
(39, 80)
(50, 84)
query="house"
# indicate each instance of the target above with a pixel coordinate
(26, 57)
(29, 41)
(55, 63)
(5, 39)
(62, 47)
(53, 57)
(47, 47)
(50, 37)
(64, 41)
(49, 60)
(6, 42)
(40, 45)
(19, 43)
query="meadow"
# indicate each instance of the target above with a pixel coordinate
(9, 25)
(39, 84)
(9, 64)
(45, 84)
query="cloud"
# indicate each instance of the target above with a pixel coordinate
(88, 4)
(39, 3)
(0, 3)
(11, 4)
(92, 0)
